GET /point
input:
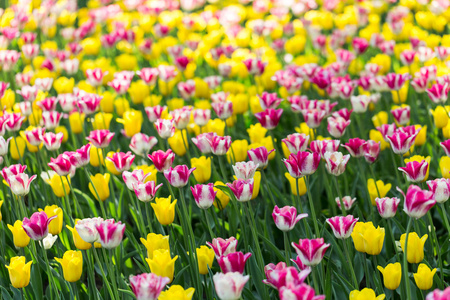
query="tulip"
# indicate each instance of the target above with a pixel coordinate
(296, 142)
(387, 207)
(20, 184)
(132, 122)
(260, 156)
(242, 189)
(424, 277)
(269, 118)
(77, 240)
(162, 160)
(134, 177)
(371, 151)
(415, 247)
(401, 115)
(342, 226)
(439, 295)
(378, 189)
(336, 126)
(229, 286)
(417, 201)
(34, 136)
(155, 242)
(446, 146)
(367, 238)
(100, 138)
(220, 144)
(154, 113)
(148, 286)
(56, 182)
(233, 262)
(223, 110)
(141, 144)
(286, 217)
(204, 195)
(146, 192)
(360, 103)
(293, 184)
(165, 128)
(347, 201)
(415, 171)
(223, 247)
(162, 264)
(203, 142)
(401, 142)
(110, 233)
(365, 294)
(299, 292)
(280, 275)
(99, 186)
(440, 188)
(392, 275)
(95, 76)
(355, 147)
(51, 119)
(19, 271)
(269, 100)
(164, 210)
(178, 176)
(438, 93)
(37, 226)
(149, 76)
(20, 237)
(13, 122)
(177, 292)
(56, 225)
(81, 157)
(311, 251)
(302, 164)
(52, 141)
(336, 162)
(122, 161)
(62, 165)
(72, 265)
(205, 258)
(87, 229)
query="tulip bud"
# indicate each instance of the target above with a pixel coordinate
(392, 275)
(148, 286)
(311, 251)
(204, 195)
(19, 272)
(286, 217)
(342, 226)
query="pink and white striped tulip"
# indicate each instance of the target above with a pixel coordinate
(269, 100)
(141, 144)
(417, 201)
(186, 89)
(148, 75)
(311, 251)
(242, 189)
(371, 151)
(233, 262)
(62, 165)
(342, 226)
(223, 110)
(220, 144)
(165, 128)
(95, 76)
(401, 115)
(395, 81)
(415, 171)
(166, 73)
(360, 103)
(81, 157)
(162, 160)
(286, 217)
(441, 189)
(48, 104)
(280, 275)
(20, 184)
(35, 135)
(201, 116)
(260, 156)
(302, 164)
(296, 142)
(203, 142)
(122, 161)
(178, 176)
(148, 286)
(36, 227)
(154, 112)
(439, 295)
(28, 93)
(355, 147)
(336, 162)
(52, 141)
(336, 126)
(313, 117)
(347, 201)
(146, 192)
(223, 247)
(51, 119)
(13, 122)
(343, 113)
(323, 146)
(4, 146)
(88, 103)
(181, 117)
(204, 195)
(387, 130)
(299, 292)
(100, 138)
(446, 146)
(387, 207)
(255, 66)
(401, 142)
(110, 233)
(269, 118)
(87, 229)
(12, 170)
(229, 286)
(245, 170)
(438, 93)
(134, 177)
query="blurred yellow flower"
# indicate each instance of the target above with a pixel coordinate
(100, 187)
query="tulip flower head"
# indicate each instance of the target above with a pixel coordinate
(72, 265)
(286, 217)
(392, 275)
(204, 195)
(122, 161)
(245, 170)
(348, 202)
(178, 176)
(148, 286)
(229, 286)
(299, 292)
(223, 247)
(219, 145)
(260, 156)
(415, 247)
(141, 144)
(336, 162)
(440, 188)
(19, 272)
(242, 189)
(110, 233)
(387, 207)
(164, 210)
(439, 295)
(424, 277)
(165, 128)
(280, 275)
(269, 118)
(367, 238)
(37, 226)
(342, 226)
(162, 160)
(146, 192)
(401, 142)
(100, 138)
(417, 201)
(311, 251)
(415, 171)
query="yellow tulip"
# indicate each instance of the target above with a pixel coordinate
(237, 151)
(177, 144)
(64, 131)
(77, 240)
(201, 88)
(100, 189)
(240, 103)
(440, 116)
(380, 119)
(91, 46)
(365, 294)
(132, 122)
(72, 264)
(380, 188)
(8, 99)
(422, 136)
(102, 120)
(177, 292)
(367, 238)
(403, 92)
(152, 100)
(256, 184)
(293, 184)
(138, 91)
(96, 156)
(17, 147)
(121, 105)
(150, 170)
(202, 173)
(415, 247)
(444, 166)
(162, 264)
(19, 272)
(76, 121)
(216, 125)
(164, 210)
(20, 237)
(392, 275)
(107, 102)
(64, 85)
(205, 258)
(424, 277)
(56, 183)
(155, 242)
(175, 103)
(222, 199)
(55, 226)
(126, 62)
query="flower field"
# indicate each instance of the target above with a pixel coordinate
(228, 150)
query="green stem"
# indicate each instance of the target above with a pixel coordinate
(311, 205)
(287, 247)
(405, 261)
(438, 250)
(305, 224)
(344, 211)
(349, 261)
(105, 280)
(205, 215)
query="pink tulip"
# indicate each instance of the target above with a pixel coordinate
(12, 170)
(48, 104)
(95, 76)
(67, 102)
(343, 113)
(347, 201)
(51, 119)
(229, 286)
(220, 144)
(420, 84)
(311, 251)
(355, 147)
(401, 142)
(110, 233)
(122, 161)
(162, 160)
(302, 164)
(233, 262)
(342, 226)
(446, 146)
(401, 115)
(223, 247)
(242, 189)
(296, 142)
(13, 122)
(167, 73)
(4, 145)
(438, 93)
(87, 229)
(201, 116)
(36, 227)
(300, 265)
(178, 176)
(204, 195)
(146, 192)
(336, 126)
(407, 57)
(280, 275)
(336, 162)
(387, 130)
(52, 141)
(223, 110)
(260, 156)
(148, 75)
(255, 66)
(360, 103)
(186, 89)
(154, 112)
(203, 142)
(141, 144)
(80, 157)
(20, 184)
(269, 100)
(387, 207)
(213, 81)
(441, 189)
(88, 103)
(269, 118)
(148, 286)
(371, 151)
(439, 295)
(34, 136)
(299, 292)
(28, 93)
(100, 138)
(62, 165)
(417, 201)
(323, 146)
(313, 117)
(165, 128)
(134, 177)
(181, 117)
(395, 81)
(245, 170)
(415, 171)
(286, 217)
